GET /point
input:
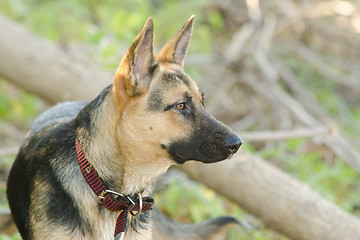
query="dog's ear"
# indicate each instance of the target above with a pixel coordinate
(135, 71)
(175, 50)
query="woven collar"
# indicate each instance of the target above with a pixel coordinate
(112, 200)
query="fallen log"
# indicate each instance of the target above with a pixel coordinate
(283, 203)
(38, 65)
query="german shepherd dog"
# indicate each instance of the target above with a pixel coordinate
(150, 118)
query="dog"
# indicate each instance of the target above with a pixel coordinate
(86, 168)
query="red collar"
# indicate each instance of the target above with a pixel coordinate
(112, 200)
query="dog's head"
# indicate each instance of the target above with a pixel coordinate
(162, 109)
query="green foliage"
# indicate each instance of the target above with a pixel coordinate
(17, 106)
(15, 236)
(108, 24)
(107, 27)
(180, 195)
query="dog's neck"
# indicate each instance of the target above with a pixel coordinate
(102, 148)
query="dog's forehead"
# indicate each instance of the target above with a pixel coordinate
(170, 85)
(175, 77)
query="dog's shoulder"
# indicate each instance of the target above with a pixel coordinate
(52, 135)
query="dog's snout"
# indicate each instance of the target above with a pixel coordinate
(232, 143)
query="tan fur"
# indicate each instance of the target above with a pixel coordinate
(132, 145)
(140, 144)
(125, 78)
(143, 158)
(119, 91)
(137, 145)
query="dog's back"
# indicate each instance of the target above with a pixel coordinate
(51, 128)
(62, 112)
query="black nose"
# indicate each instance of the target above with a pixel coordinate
(232, 142)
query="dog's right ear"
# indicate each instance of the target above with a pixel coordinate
(135, 70)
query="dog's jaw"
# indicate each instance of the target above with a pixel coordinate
(139, 168)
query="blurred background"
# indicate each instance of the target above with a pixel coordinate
(283, 74)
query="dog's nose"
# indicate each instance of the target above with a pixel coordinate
(232, 143)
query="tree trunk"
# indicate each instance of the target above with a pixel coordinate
(284, 203)
(40, 66)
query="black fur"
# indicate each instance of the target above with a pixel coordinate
(205, 145)
(155, 102)
(210, 141)
(35, 163)
(42, 159)
(18, 193)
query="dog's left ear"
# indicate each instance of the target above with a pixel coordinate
(175, 50)
(135, 71)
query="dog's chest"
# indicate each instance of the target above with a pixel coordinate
(135, 231)
(99, 222)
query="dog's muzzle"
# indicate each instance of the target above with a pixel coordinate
(220, 147)
(207, 149)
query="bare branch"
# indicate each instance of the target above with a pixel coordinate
(281, 135)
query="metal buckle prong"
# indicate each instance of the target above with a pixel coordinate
(113, 192)
(104, 192)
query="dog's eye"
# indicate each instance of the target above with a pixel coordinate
(181, 106)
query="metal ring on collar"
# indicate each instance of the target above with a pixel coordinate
(140, 206)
